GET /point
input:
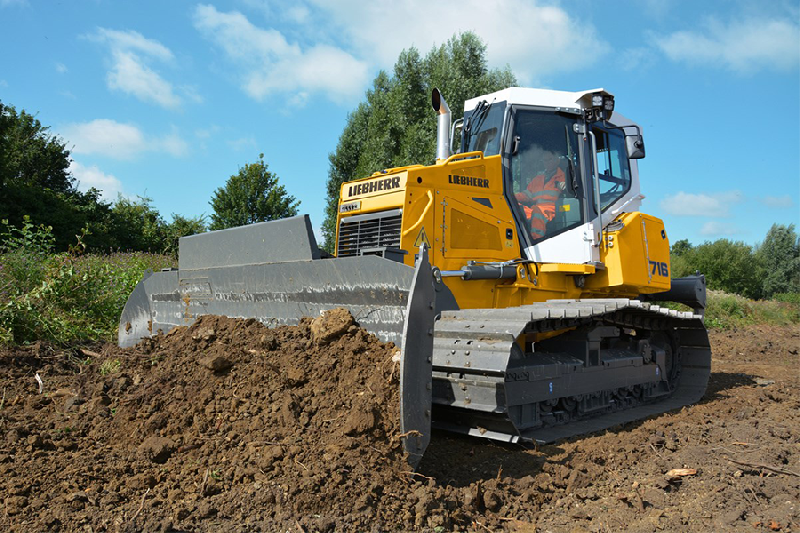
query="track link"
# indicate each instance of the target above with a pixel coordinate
(485, 384)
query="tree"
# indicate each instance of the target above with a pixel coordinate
(395, 126)
(779, 257)
(680, 247)
(729, 266)
(30, 155)
(181, 227)
(252, 195)
(138, 225)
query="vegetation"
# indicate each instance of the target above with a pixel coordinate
(395, 125)
(67, 296)
(35, 183)
(252, 195)
(757, 272)
(725, 310)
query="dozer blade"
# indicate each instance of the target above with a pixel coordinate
(387, 298)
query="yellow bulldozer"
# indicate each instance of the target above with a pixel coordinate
(517, 275)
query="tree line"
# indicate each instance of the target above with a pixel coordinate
(763, 271)
(36, 186)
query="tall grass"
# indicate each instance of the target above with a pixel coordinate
(65, 297)
(726, 311)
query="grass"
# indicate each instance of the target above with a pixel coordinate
(724, 311)
(64, 297)
(110, 366)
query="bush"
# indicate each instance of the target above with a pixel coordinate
(66, 297)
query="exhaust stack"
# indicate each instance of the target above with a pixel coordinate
(443, 127)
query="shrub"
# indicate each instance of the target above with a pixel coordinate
(64, 297)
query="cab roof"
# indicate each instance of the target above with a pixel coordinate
(537, 97)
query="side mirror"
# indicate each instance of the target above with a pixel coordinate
(635, 146)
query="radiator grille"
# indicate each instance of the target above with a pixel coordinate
(369, 231)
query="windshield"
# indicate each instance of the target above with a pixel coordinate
(544, 173)
(483, 127)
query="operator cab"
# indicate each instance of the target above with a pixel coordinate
(563, 154)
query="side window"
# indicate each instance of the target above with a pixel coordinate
(612, 166)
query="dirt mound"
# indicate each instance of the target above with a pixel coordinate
(231, 426)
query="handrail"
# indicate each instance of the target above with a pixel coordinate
(464, 155)
(422, 216)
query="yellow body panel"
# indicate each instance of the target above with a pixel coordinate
(458, 208)
(636, 257)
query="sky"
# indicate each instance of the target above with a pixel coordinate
(166, 100)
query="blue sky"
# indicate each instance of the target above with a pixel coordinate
(168, 99)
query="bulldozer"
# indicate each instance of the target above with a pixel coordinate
(517, 275)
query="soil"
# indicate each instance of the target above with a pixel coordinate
(231, 426)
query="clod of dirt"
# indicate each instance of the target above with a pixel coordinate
(216, 363)
(331, 325)
(157, 449)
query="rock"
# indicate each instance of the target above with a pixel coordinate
(204, 333)
(216, 363)
(157, 449)
(331, 325)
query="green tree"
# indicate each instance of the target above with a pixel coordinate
(35, 182)
(252, 195)
(680, 247)
(395, 126)
(138, 226)
(181, 227)
(729, 266)
(30, 155)
(779, 258)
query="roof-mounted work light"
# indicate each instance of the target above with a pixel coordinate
(602, 107)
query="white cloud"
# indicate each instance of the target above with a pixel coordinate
(129, 75)
(92, 176)
(242, 143)
(106, 137)
(172, 144)
(535, 39)
(708, 205)
(205, 133)
(131, 72)
(636, 59)
(120, 141)
(715, 228)
(3, 83)
(135, 42)
(743, 46)
(778, 201)
(270, 64)
(61, 68)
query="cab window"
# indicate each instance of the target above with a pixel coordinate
(545, 185)
(612, 166)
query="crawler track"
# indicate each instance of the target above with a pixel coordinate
(486, 385)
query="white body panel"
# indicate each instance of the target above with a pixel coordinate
(573, 246)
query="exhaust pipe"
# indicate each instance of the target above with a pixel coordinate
(443, 127)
